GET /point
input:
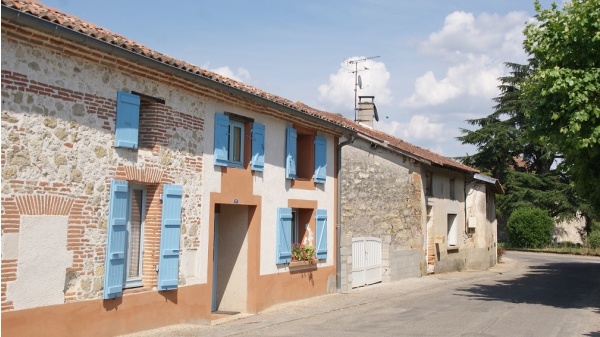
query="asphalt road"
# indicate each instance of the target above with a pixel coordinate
(528, 295)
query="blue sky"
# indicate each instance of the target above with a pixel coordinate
(438, 61)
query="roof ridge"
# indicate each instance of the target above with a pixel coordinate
(44, 12)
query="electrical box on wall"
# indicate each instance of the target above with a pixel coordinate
(472, 224)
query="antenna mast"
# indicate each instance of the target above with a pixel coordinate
(356, 62)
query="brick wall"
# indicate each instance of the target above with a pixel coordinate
(58, 157)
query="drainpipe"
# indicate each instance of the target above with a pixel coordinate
(338, 283)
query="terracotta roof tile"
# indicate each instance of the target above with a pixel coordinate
(47, 13)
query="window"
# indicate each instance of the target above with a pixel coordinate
(428, 184)
(125, 251)
(128, 120)
(230, 147)
(452, 189)
(132, 129)
(452, 231)
(134, 234)
(291, 228)
(236, 143)
(306, 155)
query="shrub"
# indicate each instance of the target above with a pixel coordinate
(529, 228)
(594, 239)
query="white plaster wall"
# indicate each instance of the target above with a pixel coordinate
(476, 207)
(442, 205)
(271, 184)
(42, 264)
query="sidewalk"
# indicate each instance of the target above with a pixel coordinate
(299, 310)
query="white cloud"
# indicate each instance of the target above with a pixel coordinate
(419, 128)
(241, 75)
(463, 34)
(339, 91)
(476, 49)
(477, 78)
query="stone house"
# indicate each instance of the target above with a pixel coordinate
(430, 213)
(140, 191)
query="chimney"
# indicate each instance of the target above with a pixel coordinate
(367, 110)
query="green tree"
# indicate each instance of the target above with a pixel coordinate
(523, 167)
(563, 89)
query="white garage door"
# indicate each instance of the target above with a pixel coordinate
(366, 261)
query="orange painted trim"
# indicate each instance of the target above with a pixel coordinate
(127, 314)
(301, 203)
(292, 285)
(303, 184)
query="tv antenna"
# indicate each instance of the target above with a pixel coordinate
(358, 80)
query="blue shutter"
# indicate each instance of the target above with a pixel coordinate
(114, 266)
(321, 247)
(128, 120)
(284, 235)
(290, 158)
(170, 232)
(258, 147)
(320, 159)
(221, 139)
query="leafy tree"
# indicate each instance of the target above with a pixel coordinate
(563, 89)
(523, 167)
(529, 227)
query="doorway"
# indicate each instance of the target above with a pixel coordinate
(230, 259)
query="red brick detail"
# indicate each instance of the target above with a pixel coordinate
(9, 274)
(142, 175)
(10, 216)
(43, 205)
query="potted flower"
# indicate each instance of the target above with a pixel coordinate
(303, 252)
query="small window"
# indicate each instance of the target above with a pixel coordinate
(236, 143)
(452, 231)
(428, 184)
(306, 155)
(292, 228)
(452, 189)
(230, 147)
(135, 234)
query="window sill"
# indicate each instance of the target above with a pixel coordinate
(303, 184)
(452, 248)
(299, 265)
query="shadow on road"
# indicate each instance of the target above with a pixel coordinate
(561, 285)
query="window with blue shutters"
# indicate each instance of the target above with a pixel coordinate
(125, 250)
(230, 145)
(128, 120)
(321, 246)
(306, 155)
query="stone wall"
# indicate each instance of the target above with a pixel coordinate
(381, 195)
(58, 159)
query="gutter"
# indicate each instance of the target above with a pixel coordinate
(28, 20)
(338, 228)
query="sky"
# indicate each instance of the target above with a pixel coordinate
(430, 64)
